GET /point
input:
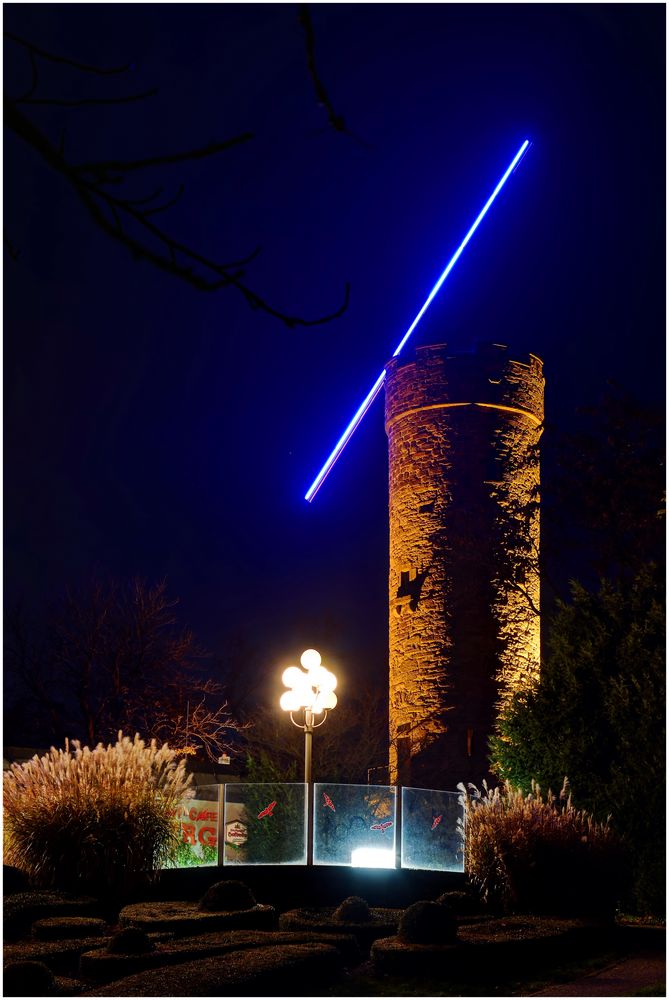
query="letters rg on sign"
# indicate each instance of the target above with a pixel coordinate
(199, 823)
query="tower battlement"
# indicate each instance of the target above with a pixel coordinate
(432, 375)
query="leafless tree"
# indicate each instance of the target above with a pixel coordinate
(116, 658)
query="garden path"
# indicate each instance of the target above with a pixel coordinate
(624, 978)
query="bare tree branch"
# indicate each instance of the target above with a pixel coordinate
(13, 251)
(64, 60)
(58, 102)
(166, 253)
(124, 166)
(116, 658)
(166, 204)
(304, 17)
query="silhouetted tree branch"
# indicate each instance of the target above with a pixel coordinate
(34, 50)
(116, 658)
(304, 17)
(128, 220)
(13, 251)
(63, 102)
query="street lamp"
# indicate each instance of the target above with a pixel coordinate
(313, 692)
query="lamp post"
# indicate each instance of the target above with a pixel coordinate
(313, 693)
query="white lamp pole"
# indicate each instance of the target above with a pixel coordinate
(313, 692)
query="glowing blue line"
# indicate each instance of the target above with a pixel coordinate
(341, 443)
(376, 388)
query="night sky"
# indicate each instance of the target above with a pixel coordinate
(154, 430)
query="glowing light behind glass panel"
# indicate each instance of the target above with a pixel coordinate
(376, 388)
(372, 857)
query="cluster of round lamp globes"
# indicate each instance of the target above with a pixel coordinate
(313, 690)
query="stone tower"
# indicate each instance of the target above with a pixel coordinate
(463, 433)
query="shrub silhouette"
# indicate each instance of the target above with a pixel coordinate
(130, 941)
(28, 979)
(228, 895)
(462, 903)
(353, 909)
(426, 922)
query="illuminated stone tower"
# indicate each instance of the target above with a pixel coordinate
(463, 433)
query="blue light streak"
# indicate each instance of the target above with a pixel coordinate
(376, 388)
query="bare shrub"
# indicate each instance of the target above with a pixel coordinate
(101, 818)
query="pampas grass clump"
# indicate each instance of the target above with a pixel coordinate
(102, 819)
(540, 854)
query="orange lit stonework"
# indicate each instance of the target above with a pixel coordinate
(463, 433)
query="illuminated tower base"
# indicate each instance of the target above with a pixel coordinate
(463, 434)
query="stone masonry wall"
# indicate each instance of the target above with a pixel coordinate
(463, 433)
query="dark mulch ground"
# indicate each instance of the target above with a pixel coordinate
(100, 966)
(495, 956)
(382, 923)
(270, 971)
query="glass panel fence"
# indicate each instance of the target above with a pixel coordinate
(197, 818)
(265, 824)
(432, 830)
(354, 825)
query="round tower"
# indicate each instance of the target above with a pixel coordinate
(463, 436)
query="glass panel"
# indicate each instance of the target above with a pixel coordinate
(197, 819)
(265, 824)
(354, 825)
(432, 830)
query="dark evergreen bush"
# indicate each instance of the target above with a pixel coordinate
(354, 910)
(130, 941)
(426, 922)
(229, 895)
(28, 979)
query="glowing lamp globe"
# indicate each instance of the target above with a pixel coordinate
(290, 701)
(322, 679)
(311, 688)
(310, 659)
(292, 677)
(323, 702)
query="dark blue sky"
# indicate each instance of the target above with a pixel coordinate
(154, 430)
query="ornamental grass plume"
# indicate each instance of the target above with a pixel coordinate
(99, 819)
(527, 852)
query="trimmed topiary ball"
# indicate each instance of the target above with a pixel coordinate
(28, 979)
(353, 910)
(464, 904)
(228, 895)
(426, 922)
(130, 941)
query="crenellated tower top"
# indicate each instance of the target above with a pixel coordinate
(432, 377)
